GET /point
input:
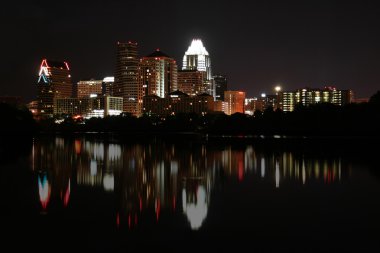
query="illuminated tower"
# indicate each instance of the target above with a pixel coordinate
(54, 82)
(235, 100)
(197, 58)
(127, 77)
(158, 74)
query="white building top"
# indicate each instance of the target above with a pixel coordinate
(196, 48)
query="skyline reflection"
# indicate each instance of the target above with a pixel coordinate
(150, 179)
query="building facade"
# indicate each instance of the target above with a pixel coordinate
(88, 107)
(191, 82)
(108, 86)
(221, 106)
(308, 96)
(197, 58)
(235, 100)
(178, 102)
(54, 81)
(220, 83)
(158, 74)
(89, 87)
(127, 84)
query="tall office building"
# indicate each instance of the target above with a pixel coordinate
(220, 83)
(197, 58)
(158, 74)
(235, 100)
(108, 86)
(191, 82)
(127, 83)
(85, 88)
(54, 82)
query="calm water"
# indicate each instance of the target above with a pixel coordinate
(96, 194)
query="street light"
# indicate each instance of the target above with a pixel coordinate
(278, 103)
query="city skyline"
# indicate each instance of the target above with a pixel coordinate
(257, 46)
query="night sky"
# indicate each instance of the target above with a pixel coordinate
(257, 44)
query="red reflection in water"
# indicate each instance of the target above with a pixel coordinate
(329, 177)
(158, 208)
(67, 195)
(78, 146)
(240, 170)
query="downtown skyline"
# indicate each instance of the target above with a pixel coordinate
(257, 47)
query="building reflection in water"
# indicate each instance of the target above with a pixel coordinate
(52, 162)
(43, 190)
(150, 178)
(194, 205)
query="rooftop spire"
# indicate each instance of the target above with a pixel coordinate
(196, 48)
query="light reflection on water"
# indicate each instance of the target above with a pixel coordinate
(119, 194)
(156, 176)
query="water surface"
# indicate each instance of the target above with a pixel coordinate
(187, 194)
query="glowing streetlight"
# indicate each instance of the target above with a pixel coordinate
(278, 88)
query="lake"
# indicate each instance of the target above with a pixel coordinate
(184, 194)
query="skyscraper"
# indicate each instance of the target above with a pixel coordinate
(197, 58)
(235, 100)
(85, 88)
(108, 86)
(220, 82)
(54, 82)
(191, 82)
(127, 83)
(158, 74)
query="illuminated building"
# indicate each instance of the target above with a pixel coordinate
(108, 86)
(54, 82)
(221, 106)
(251, 105)
(191, 82)
(288, 101)
(269, 101)
(158, 74)
(89, 107)
(220, 83)
(235, 100)
(87, 88)
(197, 58)
(178, 102)
(127, 84)
(307, 96)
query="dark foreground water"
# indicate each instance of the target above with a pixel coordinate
(186, 194)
